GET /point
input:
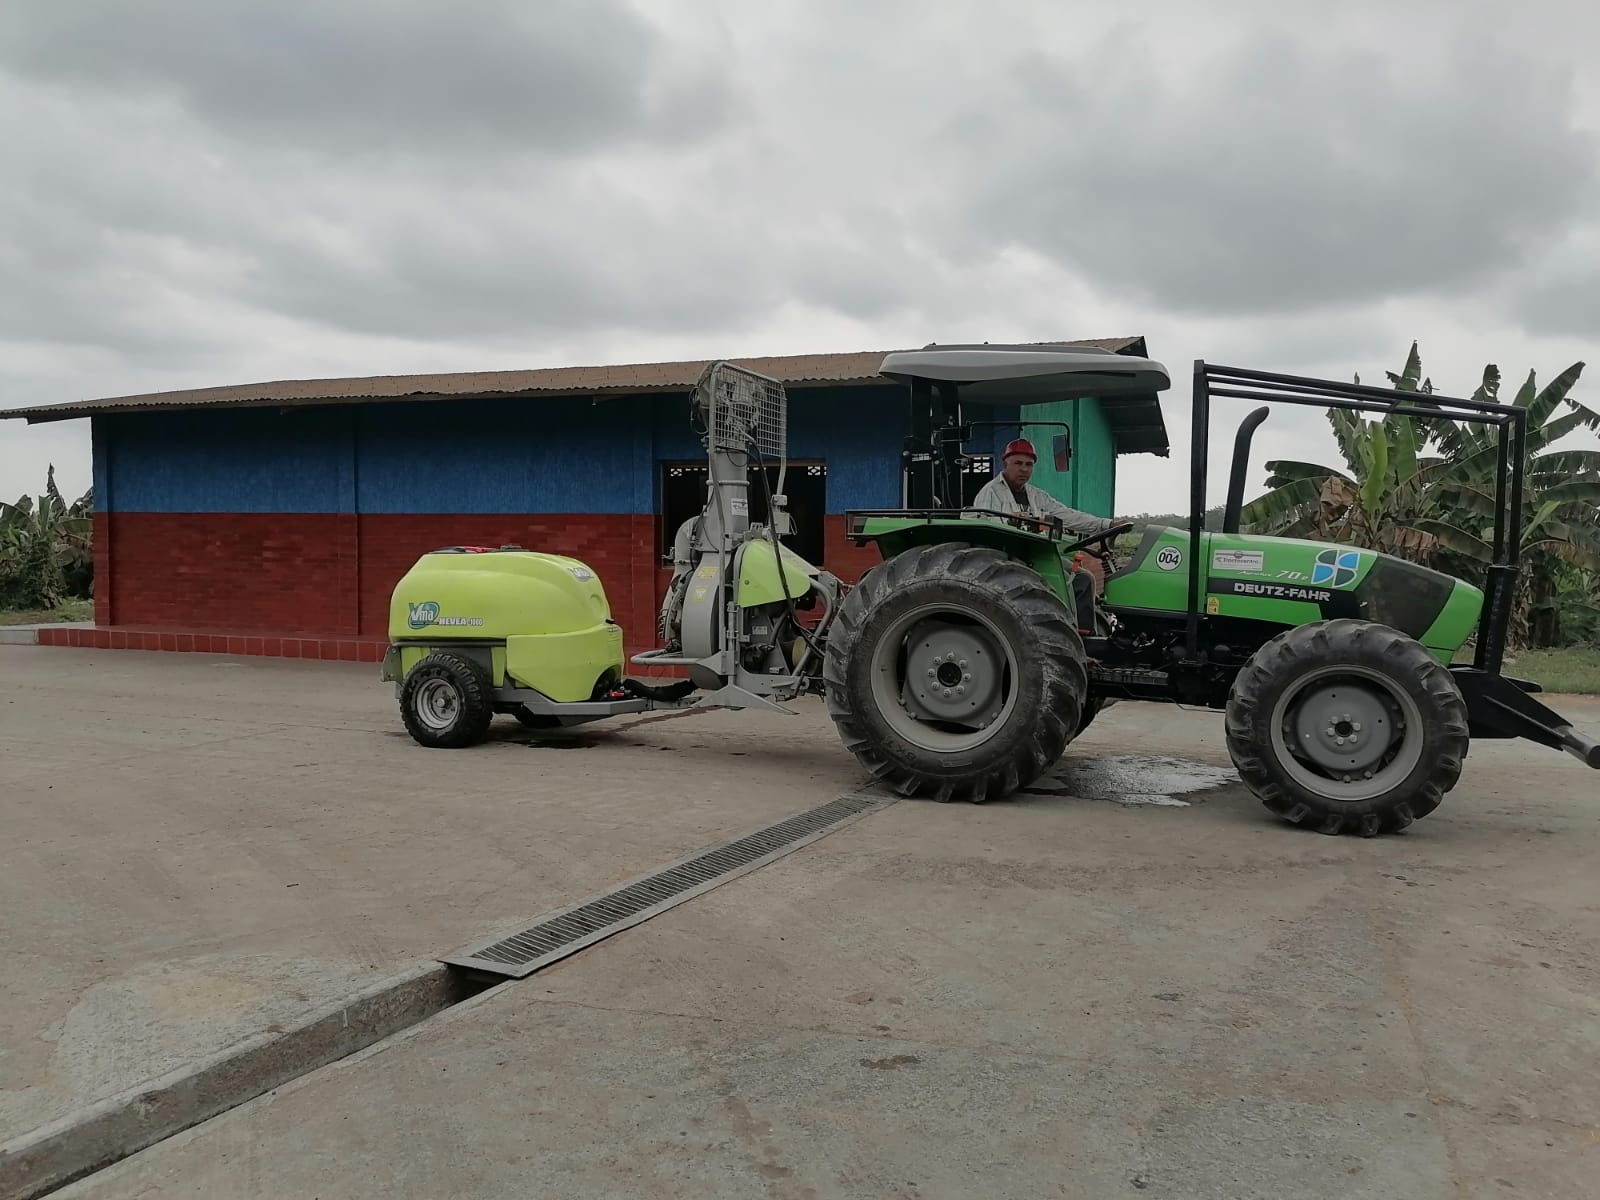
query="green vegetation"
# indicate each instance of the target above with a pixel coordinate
(1212, 522)
(68, 610)
(1574, 669)
(1570, 670)
(46, 550)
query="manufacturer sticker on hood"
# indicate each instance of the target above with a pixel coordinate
(1252, 561)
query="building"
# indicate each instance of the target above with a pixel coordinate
(276, 518)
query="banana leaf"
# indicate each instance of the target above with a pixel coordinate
(1574, 491)
(1553, 431)
(1376, 483)
(1462, 498)
(1402, 432)
(1546, 511)
(1408, 378)
(1541, 406)
(1488, 392)
(1560, 465)
(1289, 469)
(1458, 540)
(1408, 538)
(1281, 503)
(1350, 432)
(1579, 556)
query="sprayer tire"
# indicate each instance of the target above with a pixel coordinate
(447, 701)
(1044, 681)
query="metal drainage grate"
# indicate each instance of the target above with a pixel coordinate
(572, 929)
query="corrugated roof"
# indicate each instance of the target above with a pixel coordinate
(796, 370)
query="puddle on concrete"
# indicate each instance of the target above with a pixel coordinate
(1133, 779)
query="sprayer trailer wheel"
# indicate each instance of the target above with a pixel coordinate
(447, 701)
(1347, 726)
(954, 672)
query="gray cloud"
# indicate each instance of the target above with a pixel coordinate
(134, 211)
(1565, 300)
(1281, 176)
(204, 191)
(364, 76)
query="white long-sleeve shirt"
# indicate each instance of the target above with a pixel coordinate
(996, 495)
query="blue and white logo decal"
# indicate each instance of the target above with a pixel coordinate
(1336, 568)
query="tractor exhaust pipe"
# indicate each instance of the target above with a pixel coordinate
(1241, 463)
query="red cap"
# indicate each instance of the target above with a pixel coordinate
(1020, 446)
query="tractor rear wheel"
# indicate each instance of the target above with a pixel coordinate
(955, 672)
(1347, 727)
(447, 701)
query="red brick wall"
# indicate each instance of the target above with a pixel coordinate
(328, 573)
(103, 585)
(322, 573)
(269, 571)
(842, 556)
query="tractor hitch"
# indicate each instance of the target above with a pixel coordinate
(1499, 706)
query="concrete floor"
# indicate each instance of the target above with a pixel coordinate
(196, 848)
(1058, 996)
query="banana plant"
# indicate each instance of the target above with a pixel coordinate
(1561, 500)
(1378, 501)
(1423, 489)
(46, 548)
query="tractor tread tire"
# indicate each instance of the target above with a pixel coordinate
(475, 689)
(1376, 647)
(1052, 683)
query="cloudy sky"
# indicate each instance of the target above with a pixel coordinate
(207, 192)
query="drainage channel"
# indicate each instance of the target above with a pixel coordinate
(517, 955)
(93, 1138)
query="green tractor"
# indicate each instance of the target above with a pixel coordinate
(955, 669)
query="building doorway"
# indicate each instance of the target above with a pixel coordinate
(683, 495)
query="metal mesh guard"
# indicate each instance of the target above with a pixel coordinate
(745, 408)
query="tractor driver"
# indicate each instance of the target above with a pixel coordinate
(1010, 492)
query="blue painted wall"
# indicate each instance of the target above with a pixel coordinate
(241, 460)
(506, 455)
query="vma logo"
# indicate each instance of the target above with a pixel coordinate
(1336, 568)
(424, 614)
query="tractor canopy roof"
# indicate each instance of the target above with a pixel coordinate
(1031, 374)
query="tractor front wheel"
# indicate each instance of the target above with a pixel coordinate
(955, 672)
(447, 701)
(1347, 727)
